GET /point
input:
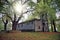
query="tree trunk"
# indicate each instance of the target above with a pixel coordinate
(5, 26)
(54, 26)
(45, 23)
(14, 25)
(51, 26)
(46, 16)
(42, 22)
(43, 27)
(5, 23)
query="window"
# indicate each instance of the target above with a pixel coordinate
(43, 23)
(21, 25)
(32, 22)
(27, 23)
(38, 27)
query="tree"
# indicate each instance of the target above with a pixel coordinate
(43, 8)
(57, 3)
(12, 15)
(4, 21)
(15, 20)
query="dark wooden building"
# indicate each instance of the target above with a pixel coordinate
(32, 25)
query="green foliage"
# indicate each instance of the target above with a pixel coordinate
(44, 7)
(1, 25)
(31, 3)
(58, 3)
(1, 5)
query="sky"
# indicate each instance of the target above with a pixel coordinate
(57, 14)
(0, 15)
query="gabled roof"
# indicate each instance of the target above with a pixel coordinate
(30, 21)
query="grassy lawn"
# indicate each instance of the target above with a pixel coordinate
(30, 36)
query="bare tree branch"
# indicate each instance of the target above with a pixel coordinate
(3, 20)
(20, 17)
(9, 17)
(25, 2)
(6, 21)
(28, 11)
(14, 17)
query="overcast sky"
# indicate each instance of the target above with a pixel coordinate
(58, 14)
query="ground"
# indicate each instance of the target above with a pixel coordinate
(30, 36)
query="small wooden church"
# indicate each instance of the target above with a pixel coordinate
(33, 25)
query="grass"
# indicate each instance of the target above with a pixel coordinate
(30, 36)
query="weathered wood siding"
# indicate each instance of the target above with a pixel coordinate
(26, 26)
(38, 25)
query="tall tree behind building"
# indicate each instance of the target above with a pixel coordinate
(43, 8)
